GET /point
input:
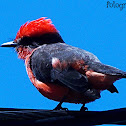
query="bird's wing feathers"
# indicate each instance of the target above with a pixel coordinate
(106, 69)
(70, 78)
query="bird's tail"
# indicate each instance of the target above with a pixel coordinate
(106, 69)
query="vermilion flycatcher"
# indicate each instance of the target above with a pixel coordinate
(59, 71)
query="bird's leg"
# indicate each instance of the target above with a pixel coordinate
(83, 108)
(59, 107)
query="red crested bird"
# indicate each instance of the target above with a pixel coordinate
(59, 71)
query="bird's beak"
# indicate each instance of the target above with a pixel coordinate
(9, 44)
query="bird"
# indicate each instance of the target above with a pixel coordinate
(59, 71)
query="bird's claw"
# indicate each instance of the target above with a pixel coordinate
(83, 108)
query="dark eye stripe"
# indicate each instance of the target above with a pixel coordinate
(37, 41)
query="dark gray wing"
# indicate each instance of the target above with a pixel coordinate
(106, 69)
(71, 78)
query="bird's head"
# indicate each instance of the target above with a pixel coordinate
(33, 34)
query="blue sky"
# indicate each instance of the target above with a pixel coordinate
(89, 25)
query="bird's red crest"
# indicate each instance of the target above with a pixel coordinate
(36, 28)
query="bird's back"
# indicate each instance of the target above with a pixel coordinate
(43, 56)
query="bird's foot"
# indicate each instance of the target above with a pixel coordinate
(59, 106)
(83, 108)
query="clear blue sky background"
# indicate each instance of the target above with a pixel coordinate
(86, 24)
